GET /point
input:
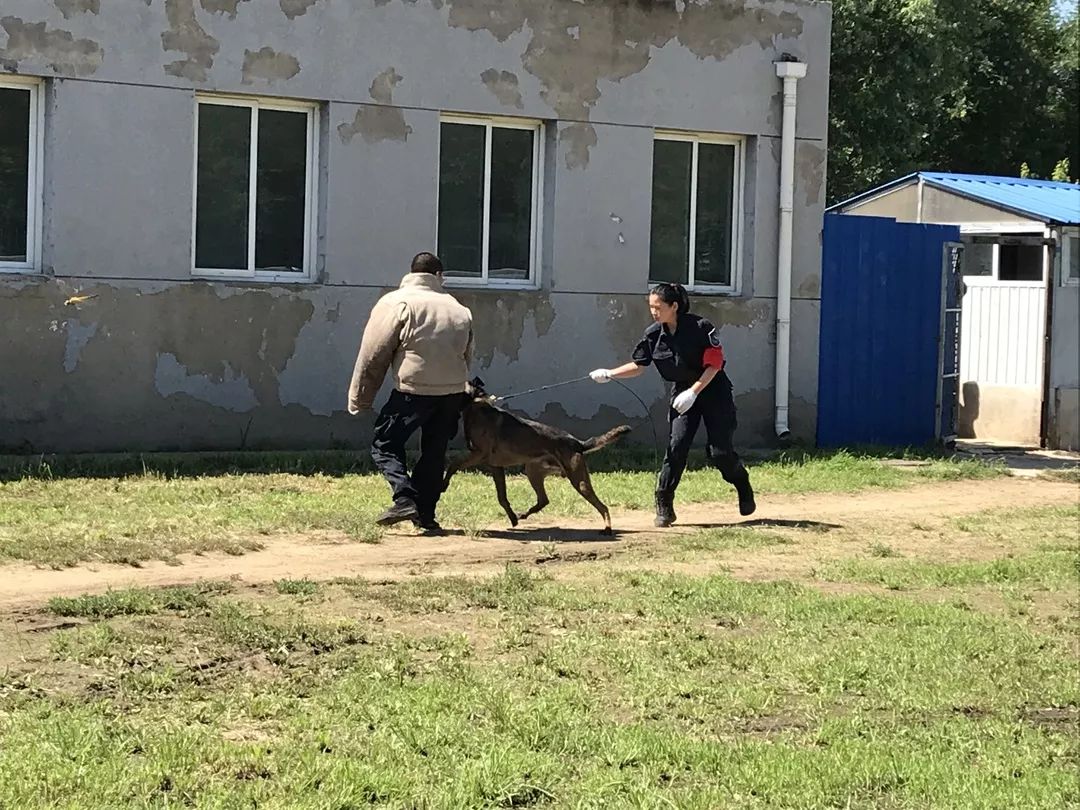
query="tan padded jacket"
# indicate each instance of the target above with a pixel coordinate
(423, 333)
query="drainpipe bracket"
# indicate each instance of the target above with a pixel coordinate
(792, 70)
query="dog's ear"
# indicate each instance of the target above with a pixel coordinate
(475, 387)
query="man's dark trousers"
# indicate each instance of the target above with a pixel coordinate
(436, 417)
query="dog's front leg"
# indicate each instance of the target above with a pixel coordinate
(498, 474)
(471, 460)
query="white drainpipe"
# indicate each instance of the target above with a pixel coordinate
(790, 72)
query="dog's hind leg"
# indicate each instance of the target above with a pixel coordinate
(578, 473)
(536, 474)
(473, 459)
(498, 474)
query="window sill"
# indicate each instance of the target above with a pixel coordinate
(725, 292)
(716, 292)
(13, 271)
(283, 278)
(507, 286)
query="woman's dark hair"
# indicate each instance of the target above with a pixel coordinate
(673, 294)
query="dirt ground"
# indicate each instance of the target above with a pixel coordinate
(824, 526)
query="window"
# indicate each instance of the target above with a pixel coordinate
(696, 211)
(1020, 262)
(1070, 257)
(255, 170)
(20, 174)
(489, 201)
(978, 258)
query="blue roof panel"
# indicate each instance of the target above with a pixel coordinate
(1041, 199)
(1045, 200)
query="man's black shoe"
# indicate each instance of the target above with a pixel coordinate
(747, 504)
(405, 510)
(429, 527)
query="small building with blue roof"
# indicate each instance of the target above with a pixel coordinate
(1020, 343)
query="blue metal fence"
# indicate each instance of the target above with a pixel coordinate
(881, 328)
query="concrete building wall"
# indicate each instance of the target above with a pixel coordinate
(938, 206)
(379, 197)
(1064, 428)
(158, 359)
(947, 208)
(901, 204)
(118, 181)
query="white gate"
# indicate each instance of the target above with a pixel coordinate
(1004, 329)
(1002, 345)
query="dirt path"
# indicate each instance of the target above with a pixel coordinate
(826, 523)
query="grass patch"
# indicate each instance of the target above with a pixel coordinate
(1053, 570)
(1071, 475)
(1053, 525)
(51, 467)
(723, 539)
(127, 520)
(137, 601)
(256, 629)
(631, 689)
(297, 587)
(1039, 549)
(61, 520)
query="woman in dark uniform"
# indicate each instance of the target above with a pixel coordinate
(686, 351)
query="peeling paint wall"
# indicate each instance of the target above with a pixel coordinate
(380, 198)
(69, 8)
(59, 50)
(634, 62)
(269, 66)
(381, 121)
(157, 359)
(505, 86)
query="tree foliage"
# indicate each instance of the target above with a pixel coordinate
(977, 86)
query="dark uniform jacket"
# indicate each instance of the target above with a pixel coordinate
(681, 357)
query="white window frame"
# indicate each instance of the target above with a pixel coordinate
(35, 175)
(1069, 241)
(532, 282)
(1003, 230)
(738, 179)
(311, 182)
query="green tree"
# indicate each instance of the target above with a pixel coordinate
(949, 85)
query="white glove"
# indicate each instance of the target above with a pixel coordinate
(685, 401)
(601, 375)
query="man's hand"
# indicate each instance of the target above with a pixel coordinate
(685, 401)
(601, 375)
(357, 409)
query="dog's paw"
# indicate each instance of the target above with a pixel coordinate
(607, 531)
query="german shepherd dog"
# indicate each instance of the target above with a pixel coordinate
(497, 439)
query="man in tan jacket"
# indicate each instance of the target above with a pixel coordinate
(425, 336)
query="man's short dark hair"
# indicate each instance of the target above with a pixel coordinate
(426, 263)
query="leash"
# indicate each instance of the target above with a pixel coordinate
(647, 418)
(542, 388)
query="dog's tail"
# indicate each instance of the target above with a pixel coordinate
(599, 442)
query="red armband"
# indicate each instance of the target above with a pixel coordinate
(714, 357)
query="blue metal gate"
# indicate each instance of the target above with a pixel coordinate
(885, 288)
